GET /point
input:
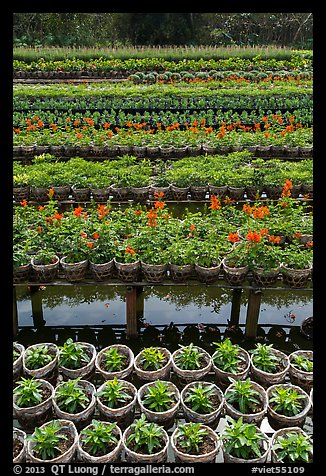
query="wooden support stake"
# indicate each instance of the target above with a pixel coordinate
(131, 311)
(15, 313)
(37, 308)
(253, 310)
(235, 307)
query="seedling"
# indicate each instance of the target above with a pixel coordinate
(47, 440)
(188, 358)
(98, 438)
(198, 398)
(72, 355)
(71, 397)
(243, 395)
(242, 440)
(157, 397)
(302, 363)
(113, 395)
(145, 437)
(264, 359)
(37, 357)
(113, 360)
(190, 436)
(152, 358)
(226, 356)
(28, 393)
(286, 401)
(293, 447)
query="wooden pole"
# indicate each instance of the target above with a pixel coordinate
(131, 311)
(253, 310)
(235, 306)
(15, 313)
(37, 308)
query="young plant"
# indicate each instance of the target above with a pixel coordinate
(190, 436)
(114, 394)
(113, 360)
(72, 355)
(28, 393)
(70, 397)
(243, 395)
(226, 356)
(286, 401)
(302, 363)
(293, 447)
(47, 440)
(145, 437)
(242, 440)
(15, 354)
(152, 358)
(157, 397)
(37, 357)
(188, 358)
(99, 438)
(199, 398)
(264, 359)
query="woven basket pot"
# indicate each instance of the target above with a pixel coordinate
(181, 457)
(113, 456)
(311, 397)
(208, 275)
(100, 194)
(181, 151)
(234, 275)
(179, 193)
(296, 190)
(308, 189)
(139, 151)
(29, 417)
(81, 194)
(123, 415)
(300, 377)
(151, 375)
(46, 273)
(40, 194)
(83, 418)
(256, 417)
(266, 379)
(180, 273)
(218, 191)
(47, 372)
(273, 192)
(277, 420)
(160, 456)
(140, 194)
(20, 436)
(119, 374)
(165, 418)
(166, 190)
(167, 152)
(236, 193)
(74, 272)
(154, 273)
(223, 378)
(194, 150)
(68, 429)
(192, 375)
(61, 192)
(283, 432)
(102, 271)
(152, 151)
(125, 149)
(262, 459)
(305, 238)
(121, 193)
(21, 274)
(127, 272)
(265, 278)
(198, 193)
(295, 278)
(208, 149)
(253, 192)
(17, 366)
(21, 193)
(210, 419)
(83, 372)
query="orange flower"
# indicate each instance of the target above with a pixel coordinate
(90, 245)
(130, 250)
(233, 237)
(50, 193)
(274, 239)
(192, 227)
(83, 234)
(24, 203)
(159, 205)
(58, 216)
(96, 235)
(253, 236)
(215, 203)
(41, 208)
(78, 211)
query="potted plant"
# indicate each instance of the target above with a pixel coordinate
(288, 405)
(145, 442)
(76, 359)
(53, 442)
(296, 266)
(21, 263)
(75, 260)
(195, 443)
(268, 366)
(99, 442)
(18, 350)
(19, 446)
(116, 401)
(153, 363)
(246, 399)
(182, 255)
(301, 369)
(116, 360)
(101, 256)
(291, 445)
(41, 361)
(127, 263)
(202, 402)
(191, 362)
(21, 188)
(74, 400)
(230, 360)
(159, 402)
(244, 442)
(235, 264)
(45, 264)
(32, 401)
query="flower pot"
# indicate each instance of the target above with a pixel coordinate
(125, 149)
(254, 417)
(181, 151)
(296, 190)
(277, 420)
(102, 271)
(49, 371)
(84, 417)
(100, 194)
(152, 151)
(123, 415)
(208, 450)
(160, 456)
(125, 372)
(234, 275)
(211, 419)
(165, 418)
(295, 278)
(182, 272)
(21, 274)
(262, 459)
(253, 192)
(167, 152)
(219, 191)
(18, 363)
(208, 275)
(140, 194)
(266, 379)
(120, 193)
(61, 193)
(81, 194)
(19, 446)
(198, 193)
(154, 273)
(85, 371)
(70, 431)
(273, 192)
(29, 417)
(112, 455)
(308, 189)
(300, 377)
(21, 193)
(166, 190)
(223, 378)
(195, 150)
(305, 238)
(236, 193)
(179, 193)
(208, 149)
(152, 375)
(284, 432)
(127, 271)
(192, 375)
(46, 273)
(265, 278)
(74, 271)
(139, 151)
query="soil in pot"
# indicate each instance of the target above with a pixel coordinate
(301, 369)
(19, 445)
(116, 360)
(204, 451)
(268, 366)
(202, 402)
(288, 405)
(190, 363)
(153, 363)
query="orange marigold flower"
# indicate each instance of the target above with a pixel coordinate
(41, 208)
(90, 245)
(83, 234)
(58, 216)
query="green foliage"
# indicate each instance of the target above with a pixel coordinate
(145, 437)
(303, 363)
(293, 447)
(242, 440)
(188, 357)
(113, 395)
(37, 357)
(72, 355)
(152, 358)
(198, 398)
(242, 394)
(286, 401)
(158, 397)
(264, 359)
(190, 436)
(47, 440)
(71, 397)
(97, 438)
(113, 360)
(227, 356)
(28, 393)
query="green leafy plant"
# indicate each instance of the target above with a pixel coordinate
(227, 356)
(15, 354)
(113, 360)
(37, 357)
(98, 438)
(28, 393)
(47, 440)
(144, 436)
(188, 358)
(242, 395)
(302, 363)
(190, 436)
(293, 447)
(264, 359)
(71, 397)
(44, 257)
(72, 355)
(152, 358)
(157, 397)
(242, 440)
(199, 398)
(286, 401)
(113, 394)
